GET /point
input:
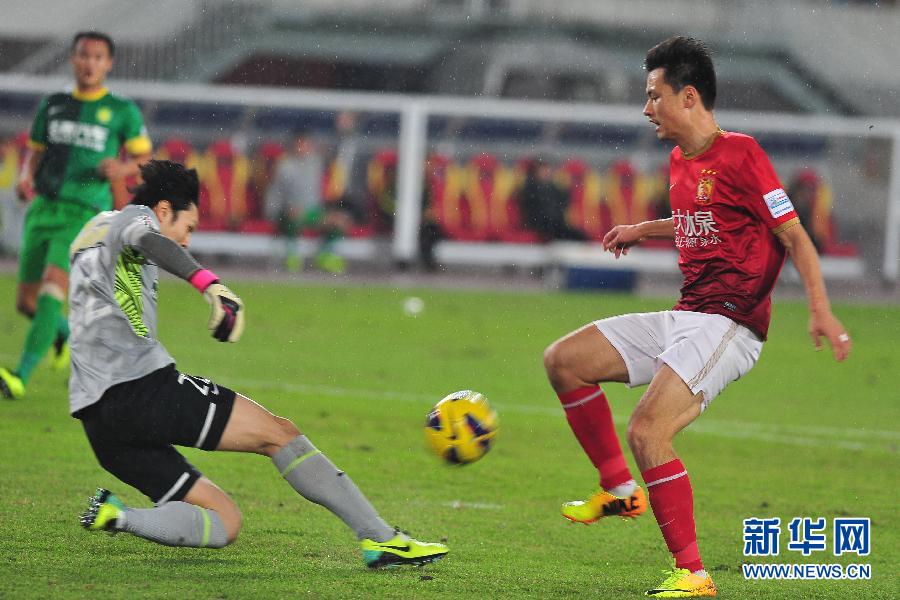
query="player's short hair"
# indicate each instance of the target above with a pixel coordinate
(94, 35)
(685, 61)
(167, 180)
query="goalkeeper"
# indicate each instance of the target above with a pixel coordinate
(134, 405)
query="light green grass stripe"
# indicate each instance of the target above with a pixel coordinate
(296, 462)
(206, 525)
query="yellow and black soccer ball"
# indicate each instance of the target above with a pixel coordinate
(461, 427)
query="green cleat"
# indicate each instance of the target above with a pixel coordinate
(400, 550)
(11, 386)
(104, 510)
(330, 262)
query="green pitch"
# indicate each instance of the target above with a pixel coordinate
(800, 436)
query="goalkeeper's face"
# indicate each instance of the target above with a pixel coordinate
(177, 225)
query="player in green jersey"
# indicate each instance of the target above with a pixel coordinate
(74, 147)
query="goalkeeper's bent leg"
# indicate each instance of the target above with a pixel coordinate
(316, 478)
(176, 524)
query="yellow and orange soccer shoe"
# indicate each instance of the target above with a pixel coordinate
(603, 504)
(681, 583)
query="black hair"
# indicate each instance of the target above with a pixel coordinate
(685, 61)
(94, 35)
(167, 180)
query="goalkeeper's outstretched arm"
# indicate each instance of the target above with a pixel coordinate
(226, 322)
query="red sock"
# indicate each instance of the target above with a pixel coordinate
(591, 420)
(672, 500)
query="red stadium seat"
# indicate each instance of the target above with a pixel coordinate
(459, 201)
(813, 200)
(262, 168)
(588, 210)
(224, 176)
(381, 185)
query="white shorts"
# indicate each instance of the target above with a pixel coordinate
(707, 351)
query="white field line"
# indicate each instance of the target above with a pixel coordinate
(795, 435)
(476, 505)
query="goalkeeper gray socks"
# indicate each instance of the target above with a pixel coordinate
(175, 524)
(315, 478)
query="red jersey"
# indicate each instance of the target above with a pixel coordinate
(727, 205)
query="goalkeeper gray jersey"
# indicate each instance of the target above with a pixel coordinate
(112, 305)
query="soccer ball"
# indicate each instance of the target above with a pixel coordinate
(461, 427)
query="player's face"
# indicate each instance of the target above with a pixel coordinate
(665, 107)
(177, 226)
(91, 62)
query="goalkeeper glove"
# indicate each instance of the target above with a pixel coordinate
(227, 319)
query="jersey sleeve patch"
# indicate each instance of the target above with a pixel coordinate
(139, 145)
(778, 203)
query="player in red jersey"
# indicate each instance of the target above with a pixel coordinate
(733, 224)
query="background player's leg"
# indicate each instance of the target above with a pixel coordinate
(26, 298)
(44, 326)
(26, 305)
(252, 428)
(575, 364)
(666, 408)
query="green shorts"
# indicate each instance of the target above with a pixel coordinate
(50, 228)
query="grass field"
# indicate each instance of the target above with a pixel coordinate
(799, 436)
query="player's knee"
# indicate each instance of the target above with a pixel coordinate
(641, 433)
(554, 361)
(233, 525)
(281, 432)
(287, 429)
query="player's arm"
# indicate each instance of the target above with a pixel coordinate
(622, 237)
(25, 182)
(821, 321)
(226, 321)
(37, 145)
(114, 169)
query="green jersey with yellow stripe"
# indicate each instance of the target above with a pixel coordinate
(76, 132)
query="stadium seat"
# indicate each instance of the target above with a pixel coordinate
(334, 189)
(224, 175)
(381, 187)
(813, 200)
(588, 210)
(461, 204)
(10, 161)
(265, 160)
(179, 150)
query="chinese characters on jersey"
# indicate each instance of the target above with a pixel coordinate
(695, 229)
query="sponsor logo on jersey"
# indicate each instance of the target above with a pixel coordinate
(104, 114)
(778, 203)
(705, 186)
(83, 135)
(696, 229)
